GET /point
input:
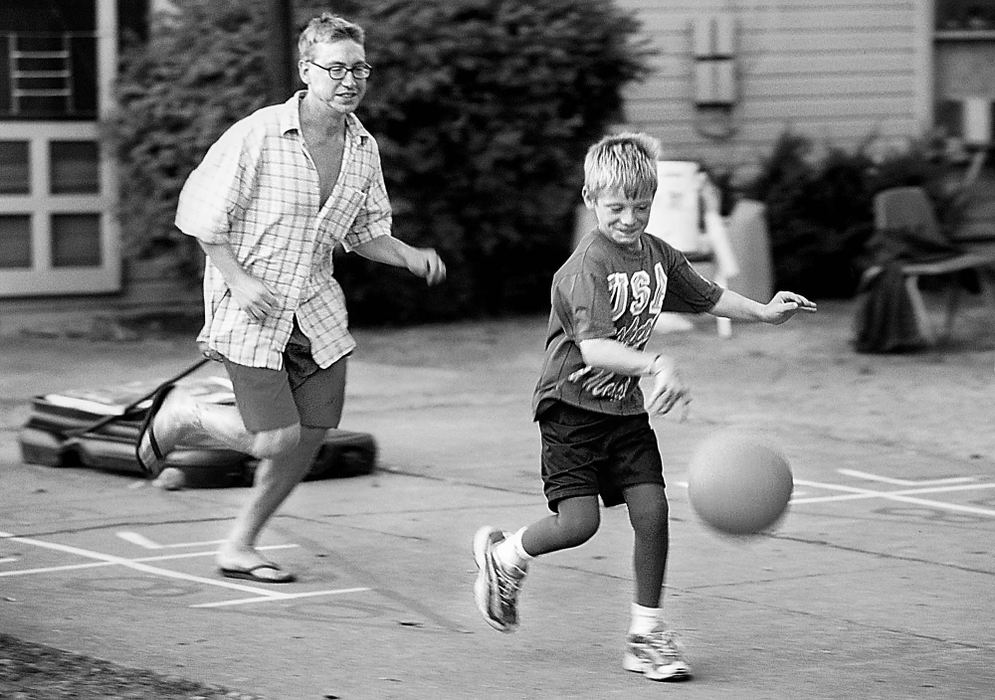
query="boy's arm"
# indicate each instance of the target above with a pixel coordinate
(423, 262)
(613, 356)
(779, 309)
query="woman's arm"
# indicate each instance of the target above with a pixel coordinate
(423, 262)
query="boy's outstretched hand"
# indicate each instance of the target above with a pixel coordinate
(784, 305)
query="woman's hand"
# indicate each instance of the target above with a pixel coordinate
(254, 297)
(426, 263)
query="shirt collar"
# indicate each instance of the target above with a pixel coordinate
(290, 119)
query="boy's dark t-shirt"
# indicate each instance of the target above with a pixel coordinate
(605, 290)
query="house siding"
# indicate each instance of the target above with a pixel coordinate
(838, 73)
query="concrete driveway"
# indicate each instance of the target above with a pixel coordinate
(880, 582)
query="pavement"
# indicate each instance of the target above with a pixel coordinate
(877, 584)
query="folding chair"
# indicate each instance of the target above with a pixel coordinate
(908, 209)
(676, 217)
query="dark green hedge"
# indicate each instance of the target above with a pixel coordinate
(199, 72)
(482, 108)
(820, 209)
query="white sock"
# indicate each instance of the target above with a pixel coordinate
(644, 620)
(510, 552)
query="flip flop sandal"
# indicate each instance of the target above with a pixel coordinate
(154, 468)
(250, 575)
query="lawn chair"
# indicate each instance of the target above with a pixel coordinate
(699, 232)
(908, 235)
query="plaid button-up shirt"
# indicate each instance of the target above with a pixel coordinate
(257, 190)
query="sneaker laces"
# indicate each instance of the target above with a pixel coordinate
(509, 580)
(664, 642)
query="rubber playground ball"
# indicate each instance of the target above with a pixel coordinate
(738, 485)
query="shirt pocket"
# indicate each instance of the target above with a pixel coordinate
(344, 206)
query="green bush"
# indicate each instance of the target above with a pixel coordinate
(820, 210)
(200, 70)
(482, 108)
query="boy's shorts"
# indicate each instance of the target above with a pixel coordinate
(301, 392)
(585, 453)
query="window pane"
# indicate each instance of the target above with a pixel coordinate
(950, 117)
(15, 175)
(51, 45)
(84, 85)
(75, 167)
(978, 15)
(5, 41)
(76, 240)
(15, 241)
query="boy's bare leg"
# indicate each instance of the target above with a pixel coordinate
(574, 523)
(578, 518)
(649, 515)
(651, 648)
(275, 478)
(503, 558)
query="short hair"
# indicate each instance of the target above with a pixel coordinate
(326, 29)
(623, 163)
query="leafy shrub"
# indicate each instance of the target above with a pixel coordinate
(200, 71)
(820, 210)
(482, 109)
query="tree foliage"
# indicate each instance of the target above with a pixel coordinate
(820, 209)
(482, 109)
(201, 69)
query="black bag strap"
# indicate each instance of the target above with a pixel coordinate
(134, 404)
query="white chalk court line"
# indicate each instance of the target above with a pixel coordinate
(903, 496)
(143, 541)
(140, 540)
(97, 564)
(135, 565)
(905, 482)
(275, 596)
(261, 594)
(855, 493)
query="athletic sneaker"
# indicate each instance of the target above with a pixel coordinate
(656, 655)
(497, 586)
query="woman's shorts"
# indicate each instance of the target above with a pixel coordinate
(585, 453)
(301, 392)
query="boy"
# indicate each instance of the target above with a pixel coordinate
(595, 429)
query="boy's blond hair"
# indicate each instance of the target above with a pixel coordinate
(624, 163)
(326, 29)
